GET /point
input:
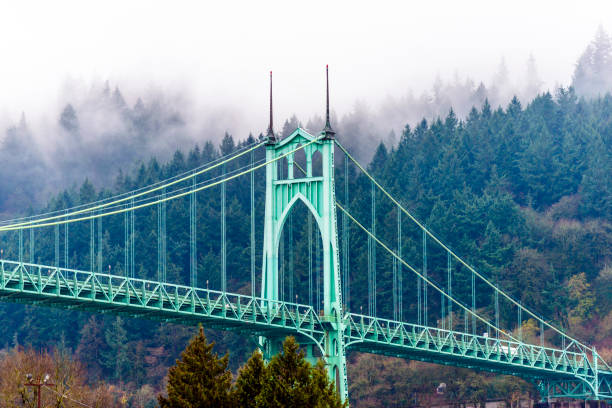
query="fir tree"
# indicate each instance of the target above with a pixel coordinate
(89, 348)
(199, 379)
(593, 69)
(116, 357)
(533, 82)
(292, 382)
(69, 120)
(290, 125)
(250, 381)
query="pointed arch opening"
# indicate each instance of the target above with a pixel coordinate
(300, 256)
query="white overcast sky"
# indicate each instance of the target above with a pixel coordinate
(221, 51)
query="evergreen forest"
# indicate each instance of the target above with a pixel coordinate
(520, 187)
(523, 192)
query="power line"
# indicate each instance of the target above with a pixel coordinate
(67, 397)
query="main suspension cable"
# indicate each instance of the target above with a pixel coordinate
(138, 193)
(159, 200)
(420, 275)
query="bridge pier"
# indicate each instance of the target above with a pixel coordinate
(318, 194)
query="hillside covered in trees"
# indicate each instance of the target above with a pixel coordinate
(523, 192)
(521, 189)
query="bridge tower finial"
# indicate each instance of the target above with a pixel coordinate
(271, 138)
(327, 130)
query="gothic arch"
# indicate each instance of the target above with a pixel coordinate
(285, 214)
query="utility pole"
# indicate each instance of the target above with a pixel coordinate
(38, 385)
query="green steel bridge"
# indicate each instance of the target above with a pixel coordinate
(463, 335)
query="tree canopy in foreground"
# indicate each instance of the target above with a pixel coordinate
(202, 379)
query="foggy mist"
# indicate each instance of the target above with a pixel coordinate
(92, 126)
(97, 127)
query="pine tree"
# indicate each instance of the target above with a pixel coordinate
(250, 381)
(69, 120)
(116, 358)
(325, 394)
(90, 346)
(290, 125)
(199, 379)
(533, 82)
(292, 382)
(593, 69)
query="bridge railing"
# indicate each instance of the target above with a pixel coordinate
(479, 281)
(479, 350)
(150, 299)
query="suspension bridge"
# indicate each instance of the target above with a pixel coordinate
(301, 168)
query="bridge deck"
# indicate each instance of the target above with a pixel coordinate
(104, 293)
(139, 298)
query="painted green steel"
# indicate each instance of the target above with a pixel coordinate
(574, 374)
(560, 373)
(123, 295)
(317, 193)
(574, 371)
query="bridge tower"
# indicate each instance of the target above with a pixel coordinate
(317, 192)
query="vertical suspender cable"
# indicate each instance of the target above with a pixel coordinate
(369, 275)
(20, 234)
(497, 312)
(449, 283)
(193, 266)
(100, 245)
(281, 266)
(399, 267)
(281, 245)
(291, 269)
(425, 319)
(310, 286)
(373, 250)
(443, 310)
(126, 244)
(132, 238)
(126, 247)
(57, 255)
(473, 304)
(345, 240)
(520, 320)
(394, 289)
(164, 239)
(252, 227)
(223, 249)
(563, 342)
(159, 242)
(419, 302)
(66, 244)
(92, 242)
(31, 245)
(344, 259)
(318, 268)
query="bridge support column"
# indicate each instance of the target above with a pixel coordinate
(318, 194)
(543, 389)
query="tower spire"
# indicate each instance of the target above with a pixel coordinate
(327, 130)
(270, 135)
